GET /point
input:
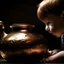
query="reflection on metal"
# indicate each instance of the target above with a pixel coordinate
(18, 36)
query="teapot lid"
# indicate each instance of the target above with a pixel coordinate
(20, 25)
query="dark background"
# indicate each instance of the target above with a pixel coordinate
(25, 11)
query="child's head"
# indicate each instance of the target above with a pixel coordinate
(51, 12)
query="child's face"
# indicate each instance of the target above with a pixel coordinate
(53, 24)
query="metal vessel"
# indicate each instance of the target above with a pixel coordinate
(24, 45)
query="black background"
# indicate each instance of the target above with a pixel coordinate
(25, 11)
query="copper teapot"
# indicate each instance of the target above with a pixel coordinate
(2, 32)
(22, 44)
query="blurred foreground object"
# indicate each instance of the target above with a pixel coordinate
(24, 45)
(2, 32)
